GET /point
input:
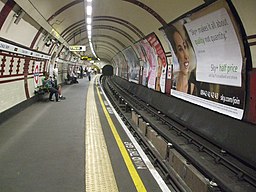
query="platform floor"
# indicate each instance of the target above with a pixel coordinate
(78, 144)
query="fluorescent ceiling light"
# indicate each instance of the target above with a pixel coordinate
(88, 20)
(89, 27)
(89, 10)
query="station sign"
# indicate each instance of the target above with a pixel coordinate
(88, 58)
(4, 46)
(36, 73)
(77, 48)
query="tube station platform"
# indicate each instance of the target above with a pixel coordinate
(78, 144)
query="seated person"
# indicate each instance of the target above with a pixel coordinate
(58, 87)
(49, 85)
(73, 77)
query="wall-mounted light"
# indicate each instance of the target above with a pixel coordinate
(19, 15)
(48, 43)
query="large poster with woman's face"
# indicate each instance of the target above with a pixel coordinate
(208, 60)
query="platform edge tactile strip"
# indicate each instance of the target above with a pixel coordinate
(99, 175)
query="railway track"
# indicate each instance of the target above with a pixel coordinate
(223, 171)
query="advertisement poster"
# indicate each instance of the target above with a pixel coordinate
(143, 62)
(168, 83)
(146, 50)
(214, 36)
(152, 60)
(161, 63)
(122, 69)
(133, 64)
(207, 58)
(116, 66)
(154, 71)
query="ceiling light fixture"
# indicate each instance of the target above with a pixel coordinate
(88, 9)
(89, 20)
(89, 27)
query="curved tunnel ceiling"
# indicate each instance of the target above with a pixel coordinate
(116, 23)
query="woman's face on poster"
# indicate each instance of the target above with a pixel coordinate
(182, 52)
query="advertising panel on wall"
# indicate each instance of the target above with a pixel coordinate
(133, 64)
(116, 66)
(144, 61)
(168, 83)
(145, 51)
(152, 61)
(122, 69)
(161, 63)
(208, 59)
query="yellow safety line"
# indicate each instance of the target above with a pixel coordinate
(99, 175)
(133, 172)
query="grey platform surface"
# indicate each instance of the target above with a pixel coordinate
(42, 147)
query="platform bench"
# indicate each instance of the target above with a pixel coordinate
(40, 92)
